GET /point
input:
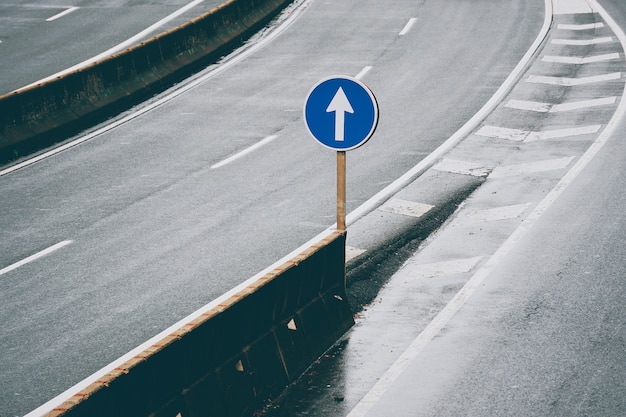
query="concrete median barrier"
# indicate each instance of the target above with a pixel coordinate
(38, 116)
(237, 353)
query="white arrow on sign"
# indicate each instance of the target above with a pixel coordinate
(340, 105)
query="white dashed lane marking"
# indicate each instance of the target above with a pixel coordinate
(36, 256)
(407, 28)
(363, 72)
(580, 60)
(63, 13)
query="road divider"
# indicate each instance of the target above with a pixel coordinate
(37, 116)
(238, 352)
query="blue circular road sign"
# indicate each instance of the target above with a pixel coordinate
(341, 113)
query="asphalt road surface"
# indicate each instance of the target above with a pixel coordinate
(515, 306)
(145, 223)
(40, 39)
(546, 334)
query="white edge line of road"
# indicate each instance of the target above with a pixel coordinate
(366, 207)
(448, 312)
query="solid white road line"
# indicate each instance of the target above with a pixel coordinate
(407, 28)
(579, 60)
(244, 152)
(63, 13)
(35, 256)
(570, 82)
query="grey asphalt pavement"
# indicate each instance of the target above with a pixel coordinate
(154, 228)
(515, 306)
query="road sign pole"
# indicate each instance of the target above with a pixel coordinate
(341, 113)
(341, 190)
